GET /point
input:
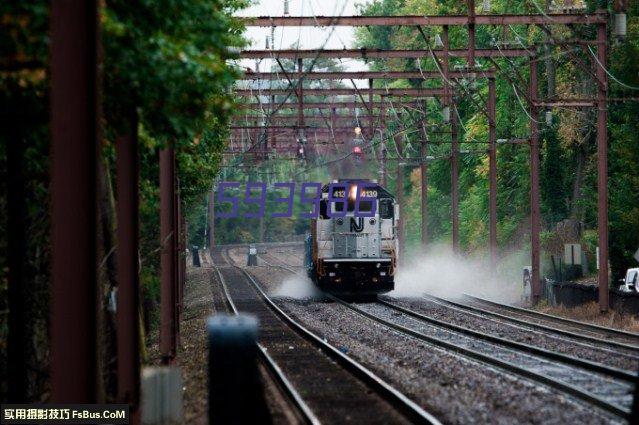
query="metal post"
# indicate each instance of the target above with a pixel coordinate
(400, 195)
(176, 256)
(167, 264)
(15, 122)
(423, 167)
(371, 123)
(454, 179)
(535, 225)
(384, 169)
(128, 325)
(75, 122)
(492, 172)
(602, 167)
(300, 98)
(471, 35)
(211, 219)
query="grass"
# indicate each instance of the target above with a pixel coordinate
(590, 313)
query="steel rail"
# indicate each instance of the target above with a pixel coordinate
(342, 91)
(507, 366)
(587, 326)
(274, 370)
(411, 409)
(592, 341)
(438, 20)
(526, 348)
(364, 75)
(321, 105)
(380, 53)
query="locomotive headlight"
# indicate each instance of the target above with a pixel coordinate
(352, 193)
(371, 221)
(339, 221)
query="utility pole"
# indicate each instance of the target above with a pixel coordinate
(75, 153)
(492, 172)
(602, 166)
(423, 167)
(167, 260)
(535, 225)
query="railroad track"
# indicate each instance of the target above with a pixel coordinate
(606, 387)
(585, 331)
(355, 392)
(612, 394)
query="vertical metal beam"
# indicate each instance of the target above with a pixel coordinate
(371, 121)
(400, 196)
(176, 257)
(211, 219)
(167, 263)
(128, 324)
(602, 167)
(471, 35)
(492, 172)
(16, 124)
(535, 225)
(454, 179)
(384, 168)
(300, 97)
(423, 168)
(74, 158)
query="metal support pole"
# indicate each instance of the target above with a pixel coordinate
(454, 179)
(400, 196)
(128, 323)
(535, 225)
(602, 167)
(176, 256)
(471, 35)
(75, 122)
(423, 168)
(300, 98)
(371, 122)
(492, 172)
(212, 242)
(167, 263)
(384, 166)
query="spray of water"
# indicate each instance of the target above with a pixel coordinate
(298, 287)
(441, 273)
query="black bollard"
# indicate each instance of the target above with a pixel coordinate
(235, 390)
(196, 256)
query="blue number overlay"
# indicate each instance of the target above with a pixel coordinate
(315, 200)
(221, 198)
(337, 200)
(261, 201)
(359, 198)
(288, 200)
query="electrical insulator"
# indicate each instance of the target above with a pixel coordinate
(549, 118)
(486, 6)
(285, 7)
(446, 113)
(267, 44)
(438, 41)
(620, 25)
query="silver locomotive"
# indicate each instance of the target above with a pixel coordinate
(350, 254)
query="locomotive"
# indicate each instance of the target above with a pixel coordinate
(354, 252)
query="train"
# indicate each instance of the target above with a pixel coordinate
(352, 254)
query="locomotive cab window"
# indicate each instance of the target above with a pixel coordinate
(386, 208)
